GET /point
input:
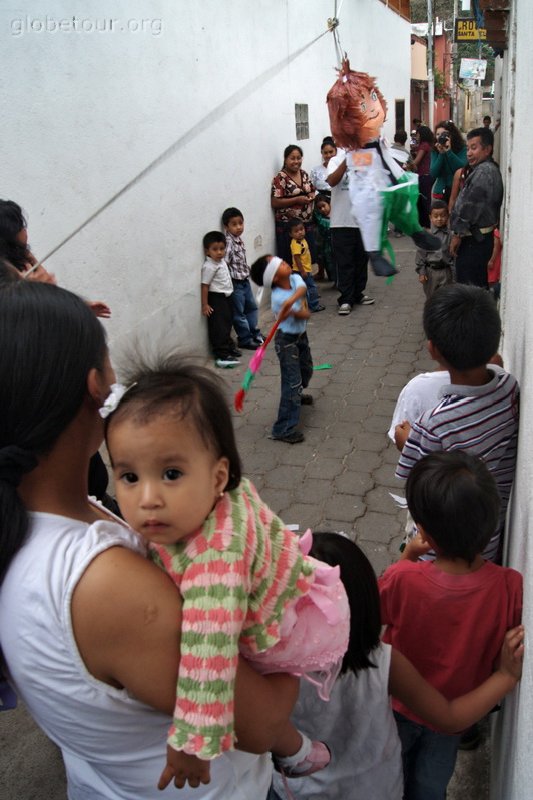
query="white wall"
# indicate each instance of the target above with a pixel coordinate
(513, 762)
(91, 104)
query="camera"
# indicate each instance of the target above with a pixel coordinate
(443, 138)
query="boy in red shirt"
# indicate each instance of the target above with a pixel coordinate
(447, 616)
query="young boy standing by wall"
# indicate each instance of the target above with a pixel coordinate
(301, 262)
(292, 344)
(479, 408)
(448, 616)
(244, 306)
(435, 267)
(216, 300)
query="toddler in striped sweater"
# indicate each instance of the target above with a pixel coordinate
(247, 583)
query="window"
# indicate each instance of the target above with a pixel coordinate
(301, 111)
(399, 114)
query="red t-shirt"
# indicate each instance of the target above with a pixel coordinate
(451, 627)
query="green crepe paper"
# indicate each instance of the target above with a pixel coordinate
(400, 208)
(323, 366)
(247, 380)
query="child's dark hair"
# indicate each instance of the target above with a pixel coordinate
(400, 137)
(257, 270)
(293, 223)
(439, 205)
(361, 587)
(212, 237)
(184, 390)
(485, 134)
(230, 213)
(12, 221)
(454, 497)
(322, 198)
(50, 341)
(463, 323)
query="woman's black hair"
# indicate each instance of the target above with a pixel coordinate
(425, 134)
(361, 587)
(50, 341)
(8, 273)
(328, 140)
(288, 150)
(184, 390)
(12, 222)
(457, 141)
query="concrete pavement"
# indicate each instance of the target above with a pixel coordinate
(338, 479)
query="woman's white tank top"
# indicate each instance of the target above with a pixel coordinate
(113, 745)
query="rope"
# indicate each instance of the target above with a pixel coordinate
(221, 110)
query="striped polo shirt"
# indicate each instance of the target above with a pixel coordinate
(482, 420)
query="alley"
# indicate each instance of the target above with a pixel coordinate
(338, 479)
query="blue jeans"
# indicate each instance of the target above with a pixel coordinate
(296, 366)
(428, 759)
(312, 291)
(244, 312)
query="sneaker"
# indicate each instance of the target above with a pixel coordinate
(344, 309)
(227, 363)
(318, 308)
(291, 438)
(318, 758)
(260, 339)
(250, 345)
(366, 301)
(306, 399)
(235, 353)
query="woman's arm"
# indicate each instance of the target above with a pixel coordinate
(337, 175)
(289, 202)
(126, 616)
(456, 185)
(437, 161)
(452, 716)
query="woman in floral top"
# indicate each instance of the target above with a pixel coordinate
(292, 195)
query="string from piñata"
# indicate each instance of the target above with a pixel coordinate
(253, 368)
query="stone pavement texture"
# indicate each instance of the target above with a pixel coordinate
(338, 479)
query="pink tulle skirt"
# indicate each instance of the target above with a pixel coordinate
(314, 631)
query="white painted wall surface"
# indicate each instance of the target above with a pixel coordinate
(513, 761)
(88, 105)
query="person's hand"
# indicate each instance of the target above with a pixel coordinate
(40, 274)
(415, 548)
(512, 653)
(182, 768)
(490, 263)
(422, 278)
(454, 245)
(207, 310)
(99, 308)
(301, 200)
(401, 434)
(284, 311)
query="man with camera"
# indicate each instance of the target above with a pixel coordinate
(477, 210)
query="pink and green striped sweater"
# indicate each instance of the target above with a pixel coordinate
(236, 576)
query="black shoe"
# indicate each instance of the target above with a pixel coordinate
(259, 339)
(426, 241)
(235, 353)
(318, 308)
(249, 345)
(381, 267)
(306, 399)
(291, 438)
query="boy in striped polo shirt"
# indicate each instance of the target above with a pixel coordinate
(478, 412)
